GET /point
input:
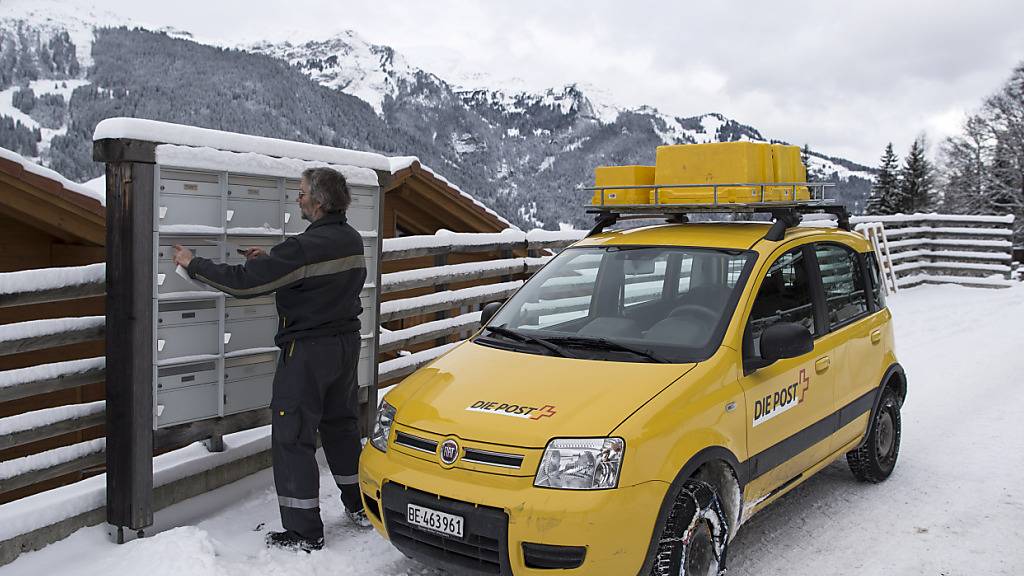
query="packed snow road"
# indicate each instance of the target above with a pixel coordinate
(954, 506)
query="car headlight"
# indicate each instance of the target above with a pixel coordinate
(581, 463)
(382, 429)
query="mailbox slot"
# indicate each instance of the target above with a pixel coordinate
(185, 375)
(186, 313)
(231, 247)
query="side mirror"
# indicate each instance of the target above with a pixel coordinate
(488, 312)
(785, 340)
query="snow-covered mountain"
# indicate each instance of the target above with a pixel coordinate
(524, 153)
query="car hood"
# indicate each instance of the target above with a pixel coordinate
(485, 394)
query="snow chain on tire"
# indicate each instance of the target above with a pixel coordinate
(696, 504)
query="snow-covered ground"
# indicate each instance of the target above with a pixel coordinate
(954, 506)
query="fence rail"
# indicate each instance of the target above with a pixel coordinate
(948, 248)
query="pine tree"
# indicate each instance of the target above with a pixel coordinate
(885, 193)
(917, 180)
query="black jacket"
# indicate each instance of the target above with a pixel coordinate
(317, 276)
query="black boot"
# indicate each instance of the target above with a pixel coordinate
(288, 540)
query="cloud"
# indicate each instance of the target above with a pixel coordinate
(844, 77)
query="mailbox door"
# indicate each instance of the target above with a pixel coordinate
(186, 404)
(368, 317)
(178, 213)
(167, 278)
(249, 215)
(187, 182)
(362, 212)
(253, 188)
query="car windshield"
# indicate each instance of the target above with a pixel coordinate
(628, 304)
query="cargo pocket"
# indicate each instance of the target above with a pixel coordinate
(286, 423)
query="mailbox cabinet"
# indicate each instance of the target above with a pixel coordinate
(214, 354)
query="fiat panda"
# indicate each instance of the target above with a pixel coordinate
(637, 400)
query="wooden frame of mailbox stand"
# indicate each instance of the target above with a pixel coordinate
(132, 436)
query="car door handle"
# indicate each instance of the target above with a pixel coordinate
(822, 364)
(876, 336)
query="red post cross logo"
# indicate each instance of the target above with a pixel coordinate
(544, 412)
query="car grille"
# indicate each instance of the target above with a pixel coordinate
(493, 458)
(415, 442)
(483, 549)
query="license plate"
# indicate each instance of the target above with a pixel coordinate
(448, 524)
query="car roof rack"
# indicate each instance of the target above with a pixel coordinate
(786, 214)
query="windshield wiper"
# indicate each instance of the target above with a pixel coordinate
(606, 344)
(531, 339)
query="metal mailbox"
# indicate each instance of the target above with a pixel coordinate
(187, 404)
(368, 317)
(249, 324)
(367, 360)
(243, 213)
(362, 212)
(167, 279)
(248, 382)
(370, 254)
(180, 210)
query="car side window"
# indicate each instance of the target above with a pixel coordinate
(876, 281)
(843, 280)
(785, 296)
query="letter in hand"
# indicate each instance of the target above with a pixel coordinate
(253, 253)
(182, 256)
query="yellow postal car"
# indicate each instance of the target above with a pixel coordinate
(637, 400)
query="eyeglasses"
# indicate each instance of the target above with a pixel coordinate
(301, 194)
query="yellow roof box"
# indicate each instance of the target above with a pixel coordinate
(623, 176)
(717, 163)
(787, 167)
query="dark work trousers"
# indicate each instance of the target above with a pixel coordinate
(315, 387)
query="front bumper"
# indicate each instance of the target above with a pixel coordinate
(511, 527)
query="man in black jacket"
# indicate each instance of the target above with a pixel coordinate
(317, 276)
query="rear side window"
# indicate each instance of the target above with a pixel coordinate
(875, 280)
(843, 279)
(785, 296)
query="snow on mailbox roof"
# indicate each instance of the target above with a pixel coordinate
(81, 195)
(167, 133)
(205, 158)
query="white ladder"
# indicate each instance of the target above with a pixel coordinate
(875, 233)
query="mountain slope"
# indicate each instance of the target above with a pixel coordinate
(523, 154)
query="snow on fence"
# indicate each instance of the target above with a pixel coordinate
(948, 248)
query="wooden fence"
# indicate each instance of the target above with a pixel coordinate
(949, 249)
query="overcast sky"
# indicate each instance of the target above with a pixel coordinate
(844, 77)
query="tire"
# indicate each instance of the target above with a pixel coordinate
(874, 460)
(696, 535)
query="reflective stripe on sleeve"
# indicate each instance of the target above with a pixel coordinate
(353, 479)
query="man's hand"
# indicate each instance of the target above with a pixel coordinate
(252, 253)
(182, 256)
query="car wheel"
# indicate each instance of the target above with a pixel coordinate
(875, 459)
(696, 534)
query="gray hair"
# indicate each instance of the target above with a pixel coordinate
(328, 188)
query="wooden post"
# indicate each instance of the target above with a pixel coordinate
(129, 336)
(441, 260)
